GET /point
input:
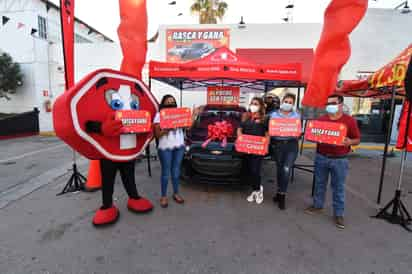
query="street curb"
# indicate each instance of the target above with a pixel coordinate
(19, 191)
(47, 133)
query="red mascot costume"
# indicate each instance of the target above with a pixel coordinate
(84, 117)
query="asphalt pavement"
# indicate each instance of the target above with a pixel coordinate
(215, 231)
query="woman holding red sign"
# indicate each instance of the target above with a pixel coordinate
(171, 151)
(253, 123)
(285, 149)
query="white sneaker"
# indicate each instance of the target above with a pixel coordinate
(259, 196)
(252, 197)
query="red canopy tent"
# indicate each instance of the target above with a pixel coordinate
(224, 67)
(381, 84)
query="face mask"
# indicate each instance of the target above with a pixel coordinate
(286, 107)
(332, 109)
(169, 105)
(254, 108)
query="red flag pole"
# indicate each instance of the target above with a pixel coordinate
(67, 27)
(77, 180)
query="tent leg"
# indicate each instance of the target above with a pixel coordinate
(181, 95)
(388, 140)
(298, 99)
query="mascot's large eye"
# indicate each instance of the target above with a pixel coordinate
(134, 105)
(116, 104)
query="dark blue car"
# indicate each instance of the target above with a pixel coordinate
(214, 164)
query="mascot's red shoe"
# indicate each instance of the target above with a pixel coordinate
(141, 205)
(104, 217)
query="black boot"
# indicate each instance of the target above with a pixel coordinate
(276, 198)
(281, 201)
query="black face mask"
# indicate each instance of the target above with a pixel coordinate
(174, 105)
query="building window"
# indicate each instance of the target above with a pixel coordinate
(81, 39)
(42, 27)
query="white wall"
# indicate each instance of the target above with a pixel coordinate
(41, 60)
(379, 38)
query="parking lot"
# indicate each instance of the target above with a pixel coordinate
(215, 231)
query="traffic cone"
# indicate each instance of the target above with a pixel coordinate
(94, 178)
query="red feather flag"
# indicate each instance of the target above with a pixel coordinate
(333, 50)
(67, 25)
(132, 33)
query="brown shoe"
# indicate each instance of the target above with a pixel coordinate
(178, 199)
(313, 210)
(163, 202)
(340, 222)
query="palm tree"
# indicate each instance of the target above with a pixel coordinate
(209, 10)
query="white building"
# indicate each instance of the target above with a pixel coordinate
(381, 36)
(42, 67)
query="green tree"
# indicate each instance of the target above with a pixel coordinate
(209, 10)
(11, 76)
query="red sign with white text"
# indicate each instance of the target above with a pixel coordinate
(175, 118)
(285, 127)
(184, 45)
(134, 121)
(325, 132)
(251, 144)
(223, 95)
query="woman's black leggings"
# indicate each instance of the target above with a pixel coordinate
(253, 166)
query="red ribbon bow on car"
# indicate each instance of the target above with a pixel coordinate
(218, 131)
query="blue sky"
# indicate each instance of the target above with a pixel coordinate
(106, 16)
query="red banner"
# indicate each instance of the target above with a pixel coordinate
(67, 25)
(217, 95)
(285, 127)
(325, 132)
(135, 121)
(175, 118)
(333, 51)
(184, 45)
(251, 144)
(400, 144)
(133, 36)
(394, 73)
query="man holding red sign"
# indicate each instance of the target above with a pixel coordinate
(332, 159)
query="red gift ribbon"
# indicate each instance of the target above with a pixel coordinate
(219, 131)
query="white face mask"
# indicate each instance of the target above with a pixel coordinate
(286, 107)
(254, 108)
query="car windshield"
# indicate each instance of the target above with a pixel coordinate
(209, 117)
(198, 45)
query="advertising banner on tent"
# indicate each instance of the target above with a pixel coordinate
(67, 25)
(393, 74)
(184, 45)
(252, 144)
(325, 132)
(223, 95)
(285, 127)
(175, 118)
(134, 121)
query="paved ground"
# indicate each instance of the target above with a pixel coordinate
(216, 231)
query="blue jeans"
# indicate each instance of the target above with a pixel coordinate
(170, 161)
(338, 170)
(285, 155)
